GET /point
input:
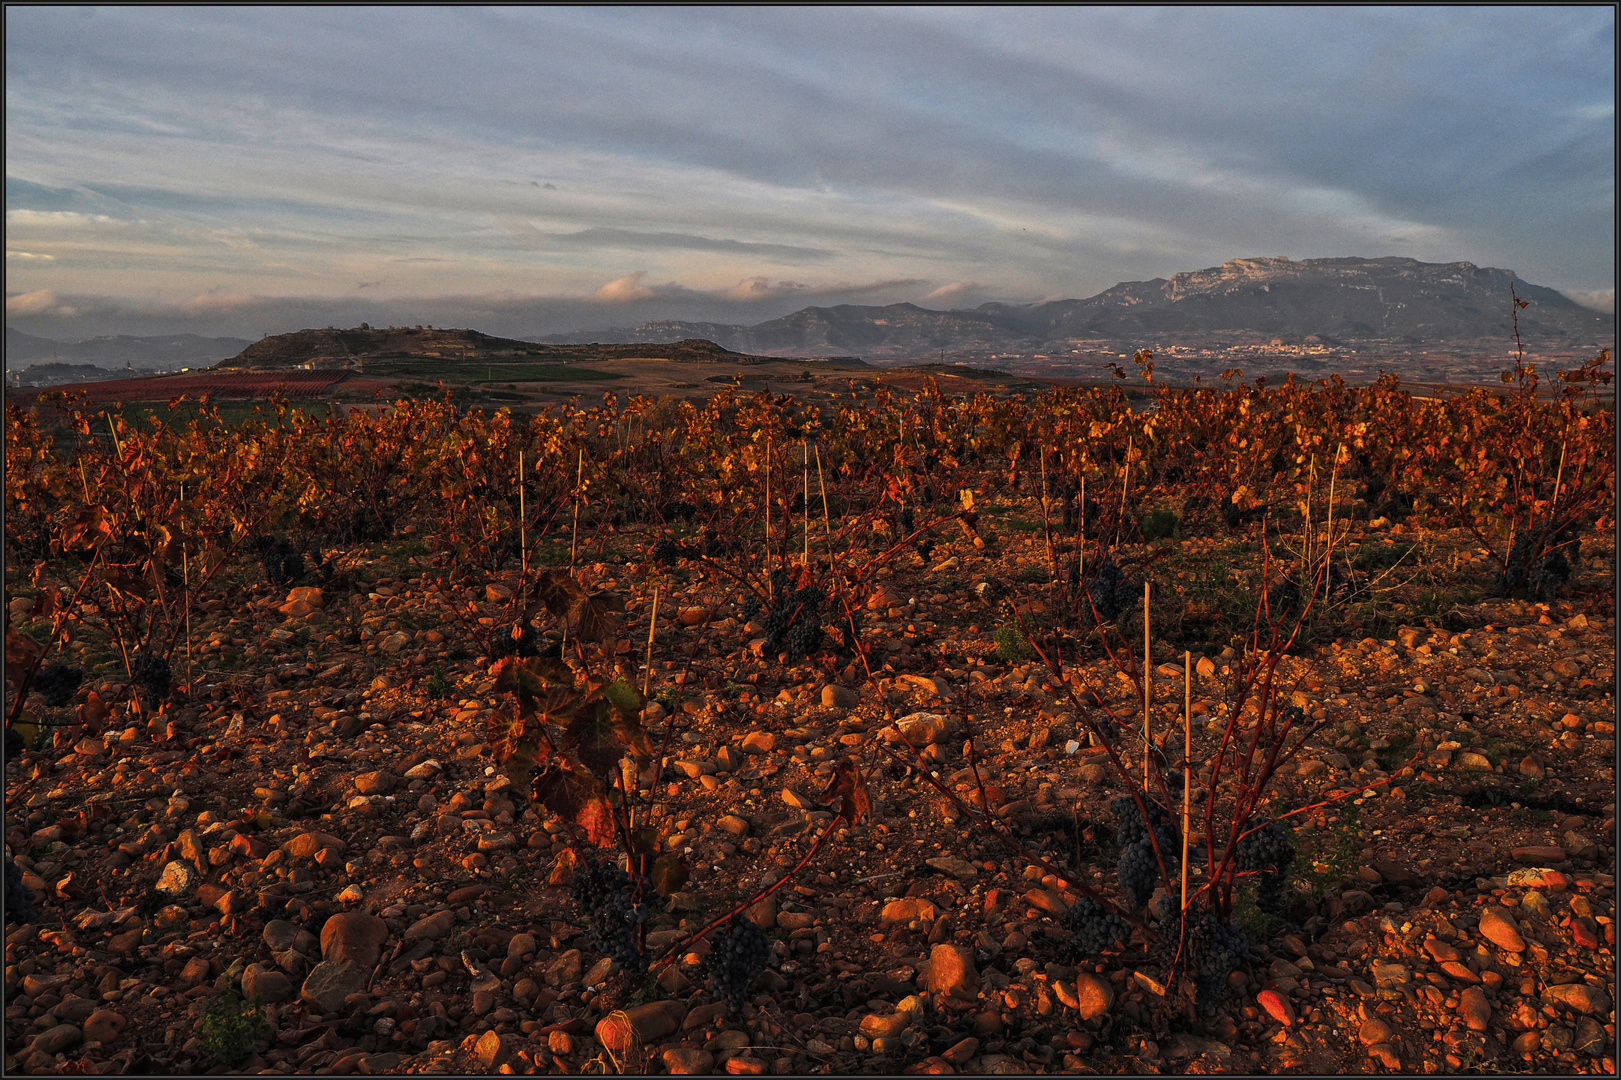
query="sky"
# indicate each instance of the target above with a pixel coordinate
(246, 171)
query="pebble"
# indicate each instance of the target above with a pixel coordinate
(56, 1039)
(266, 983)
(640, 1025)
(1094, 995)
(1580, 997)
(1474, 1008)
(876, 1026)
(684, 1061)
(1276, 1006)
(1386, 1055)
(1374, 1032)
(177, 879)
(491, 1051)
(835, 696)
(104, 1026)
(354, 935)
(952, 972)
(330, 982)
(1498, 927)
(431, 927)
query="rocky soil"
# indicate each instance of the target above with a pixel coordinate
(318, 823)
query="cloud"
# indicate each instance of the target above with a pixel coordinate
(951, 294)
(31, 303)
(760, 288)
(624, 289)
(29, 255)
(1597, 299)
(630, 238)
(881, 145)
(218, 299)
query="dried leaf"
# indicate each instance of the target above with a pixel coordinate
(669, 874)
(575, 798)
(94, 712)
(847, 785)
(21, 653)
(91, 528)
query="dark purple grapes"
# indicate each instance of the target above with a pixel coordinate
(152, 676)
(1268, 854)
(614, 906)
(1214, 949)
(19, 898)
(737, 956)
(1093, 928)
(666, 552)
(58, 683)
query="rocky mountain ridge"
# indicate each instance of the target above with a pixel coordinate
(1344, 299)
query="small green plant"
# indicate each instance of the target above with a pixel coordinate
(1374, 557)
(1032, 574)
(438, 687)
(230, 1027)
(1335, 855)
(1160, 525)
(1012, 647)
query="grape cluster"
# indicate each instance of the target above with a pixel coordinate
(519, 640)
(152, 675)
(1268, 853)
(1535, 574)
(610, 901)
(1093, 928)
(1138, 866)
(19, 898)
(679, 508)
(282, 562)
(1214, 949)
(737, 956)
(749, 607)
(666, 552)
(1110, 591)
(793, 624)
(58, 683)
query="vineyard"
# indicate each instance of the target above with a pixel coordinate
(1265, 729)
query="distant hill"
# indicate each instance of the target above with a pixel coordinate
(424, 349)
(1331, 300)
(893, 330)
(1347, 299)
(164, 351)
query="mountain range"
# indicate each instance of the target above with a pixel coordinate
(1334, 301)
(163, 351)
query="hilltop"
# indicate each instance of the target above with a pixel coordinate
(384, 349)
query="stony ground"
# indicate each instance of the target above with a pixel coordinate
(318, 823)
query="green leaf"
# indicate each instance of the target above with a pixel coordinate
(625, 697)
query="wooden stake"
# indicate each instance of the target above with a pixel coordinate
(768, 503)
(1148, 683)
(651, 623)
(1125, 478)
(827, 525)
(574, 531)
(523, 526)
(185, 577)
(1559, 478)
(804, 450)
(1080, 536)
(1187, 764)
